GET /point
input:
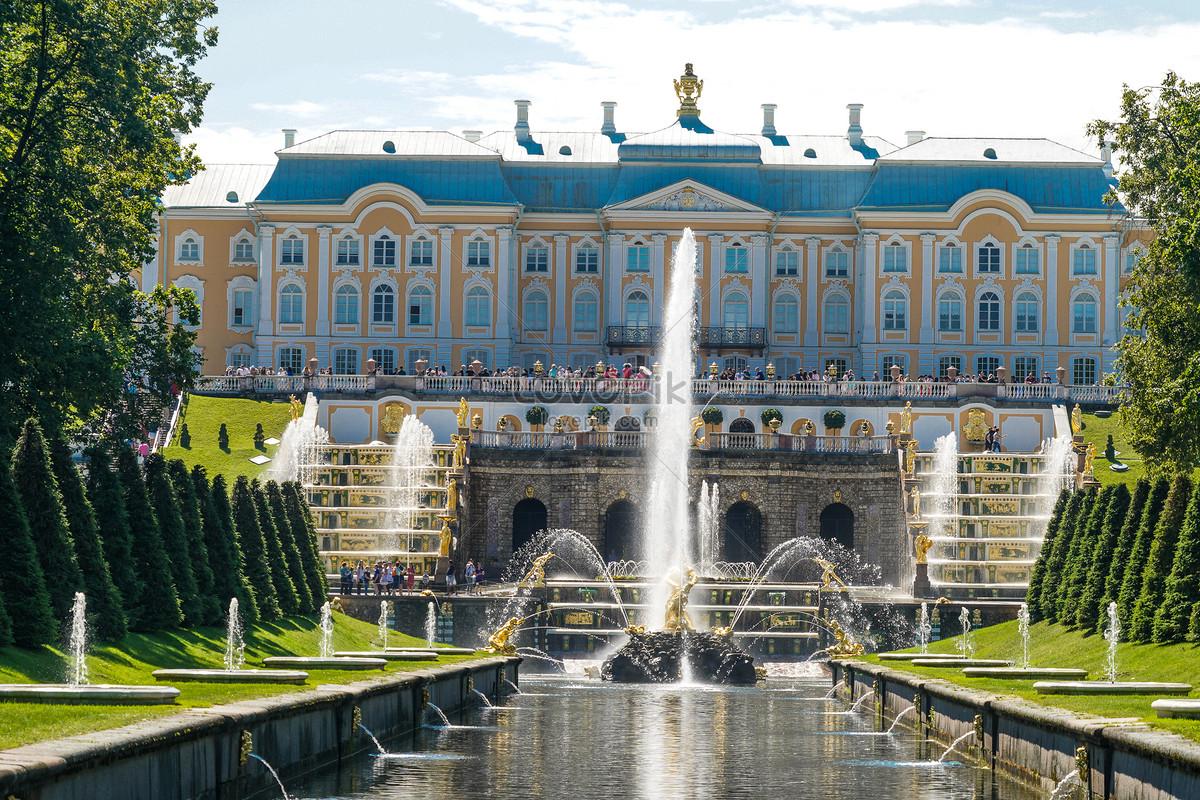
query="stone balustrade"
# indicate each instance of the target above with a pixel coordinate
(637, 440)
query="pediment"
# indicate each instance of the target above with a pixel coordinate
(687, 196)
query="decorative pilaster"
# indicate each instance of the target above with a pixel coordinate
(868, 302)
(928, 312)
(158, 236)
(560, 288)
(445, 258)
(266, 272)
(758, 280)
(323, 280)
(813, 248)
(1051, 304)
(614, 269)
(1112, 258)
(658, 270)
(714, 277)
(503, 280)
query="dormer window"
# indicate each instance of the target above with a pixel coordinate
(347, 251)
(990, 154)
(420, 252)
(383, 252)
(479, 253)
(189, 250)
(291, 251)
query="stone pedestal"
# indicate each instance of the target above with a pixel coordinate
(921, 586)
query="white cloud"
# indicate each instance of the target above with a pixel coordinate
(296, 108)
(232, 144)
(410, 79)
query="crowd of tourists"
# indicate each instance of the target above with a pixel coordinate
(392, 578)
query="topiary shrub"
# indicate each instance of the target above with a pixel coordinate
(601, 414)
(259, 437)
(537, 415)
(1160, 560)
(223, 438)
(834, 419)
(712, 416)
(185, 437)
(770, 414)
(1110, 452)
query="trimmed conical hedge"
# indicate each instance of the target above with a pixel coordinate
(160, 605)
(1076, 570)
(165, 500)
(1120, 556)
(43, 504)
(254, 549)
(305, 532)
(287, 543)
(285, 590)
(1158, 563)
(1076, 531)
(1056, 557)
(1131, 583)
(104, 602)
(22, 582)
(1096, 570)
(1037, 575)
(107, 497)
(224, 550)
(6, 629)
(1182, 590)
(193, 526)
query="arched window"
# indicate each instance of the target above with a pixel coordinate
(291, 251)
(189, 250)
(345, 305)
(536, 311)
(479, 307)
(383, 304)
(989, 312)
(988, 258)
(1083, 314)
(787, 314)
(950, 313)
(585, 314)
(637, 310)
(291, 305)
(736, 312)
(383, 252)
(1028, 262)
(895, 311)
(420, 306)
(837, 314)
(1028, 311)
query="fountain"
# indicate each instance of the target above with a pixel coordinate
(328, 659)
(966, 650)
(1024, 670)
(303, 445)
(898, 717)
(966, 642)
(77, 690)
(954, 744)
(412, 457)
(378, 747)
(708, 523)
(278, 781)
(430, 624)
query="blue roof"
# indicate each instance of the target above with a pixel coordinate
(919, 187)
(560, 187)
(325, 180)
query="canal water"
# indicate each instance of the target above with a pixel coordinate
(577, 739)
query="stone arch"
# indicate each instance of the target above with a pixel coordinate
(514, 423)
(529, 516)
(742, 425)
(742, 533)
(628, 423)
(800, 426)
(856, 427)
(837, 524)
(622, 532)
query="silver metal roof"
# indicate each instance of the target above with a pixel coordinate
(211, 187)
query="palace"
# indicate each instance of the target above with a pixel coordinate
(527, 245)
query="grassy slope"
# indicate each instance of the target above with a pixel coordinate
(1096, 431)
(204, 416)
(1056, 646)
(138, 654)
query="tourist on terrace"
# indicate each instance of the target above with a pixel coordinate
(360, 577)
(347, 576)
(479, 576)
(469, 576)
(451, 582)
(410, 578)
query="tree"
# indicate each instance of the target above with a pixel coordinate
(1051, 577)
(1034, 593)
(224, 551)
(106, 495)
(1182, 587)
(6, 629)
(1139, 551)
(193, 526)
(1120, 557)
(92, 93)
(1076, 570)
(305, 532)
(1158, 563)
(1158, 139)
(1096, 571)
(43, 506)
(159, 607)
(22, 582)
(287, 543)
(104, 602)
(285, 590)
(1069, 546)
(165, 500)
(245, 517)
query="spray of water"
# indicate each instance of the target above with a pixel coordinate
(1023, 630)
(384, 611)
(412, 456)
(77, 645)
(274, 774)
(326, 631)
(708, 522)
(966, 642)
(235, 645)
(430, 624)
(924, 628)
(303, 446)
(1112, 635)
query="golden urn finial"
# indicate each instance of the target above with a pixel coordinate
(688, 89)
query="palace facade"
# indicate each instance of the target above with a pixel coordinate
(527, 245)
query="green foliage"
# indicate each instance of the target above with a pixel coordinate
(6, 629)
(107, 498)
(291, 554)
(601, 413)
(285, 590)
(1075, 570)
(1139, 551)
(712, 416)
(305, 532)
(1052, 578)
(193, 526)
(834, 419)
(1158, 563)
(204, 417)
(167, 510)
(1037, 575)
(22, 582)
(104, 602)
(254, 549)
(1097, 568)
(1120, 556)
(224, 551)
(43, 506)
(1182, 588)
(160, 606)
(769, 414)
(537, 415)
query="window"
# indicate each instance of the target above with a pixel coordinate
(1083, 314)
(416, 354)
(242, 311)
(987, 365)
(537, 258)
(787, 262)
(787, 314)
(637, 310)
(735, 363)
(895, 258)
(345, 305)
(347, 251)
(837, 314)
(840, 365)
(383, 304)
(385, 359)
(479, 307)
(1024, 366)
(1083, 262)
(243, 250)
(837, 263)
(1028, 311)
(189, 250)
(950, 313)
(950, 258)
(587, 259)
(420, 306)
(989, 312)
(1083, 371)
(291, 251)
(736, 312)
(479, 253)
(383, 251)
(946, 363)
(291, 359)
(586, 314)
(291, 305)
(345, 361)
(482, 356)
(895, 311)
(536, 311)
(637, 258)
(1132, 258)
(900, 361)
(988, 258)
(1028, 262)
(420, 252)
(737, 259)
(238, 358)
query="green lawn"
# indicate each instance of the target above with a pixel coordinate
(132, 661)
(204, 416)
(1096, 430)
(1056, 646)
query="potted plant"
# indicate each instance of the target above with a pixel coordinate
(602, 415)
(772, 418)
(536, 416)
(712, 418)
(834, 422)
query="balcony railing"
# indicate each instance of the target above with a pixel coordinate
(283, 384)
(706, 337)
(637, 440)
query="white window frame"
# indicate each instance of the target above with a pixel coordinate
(541, 325)
(1018, 316)
(536, 258)
(780, 299)
(592, 297)
(988, 242)
(787, 253)
(303, 302)
(356, 306)
(194, 238)
(842, 253)
(242, 283)
(382, 288)
(380, 350)
(426, 291)
(1079, 365)
(1027, 247)
(898, 249)
(947, 297)
(1077, 299)
(423, 241)
(197, 287)
(998, 314)
(642, 249)
(379, 257)
(293, 236)
(240, 238)
(1082, 246)
(478, 246)
(891, 295)
(625, 306)
(350, 239)
(740, 260)
(947, 248)
(586, 250)
(470, 299)
(289, 351)
(842, 301)
(725, 309)
(339, 353)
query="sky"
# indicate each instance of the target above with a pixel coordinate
(948, 67)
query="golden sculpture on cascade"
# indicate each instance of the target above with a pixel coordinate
(535, 578)
(922, 546)
(498, 641)
(677, 617)
(828, 574)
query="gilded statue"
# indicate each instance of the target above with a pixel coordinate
(463, 413)
(446, 537)
(295, 407)
(1089, 455)
(1077, 420)
(697, 426)
(915, 497)
(498, 641)
(911, 458)
(477, 421)
(460, 450)
(535, 578)
(844, 645)
(828, 574)
(976, 426)
(451, 493)
(636, 630)
(724, 631)
(677, 616)
(688, 89)
(393, 415)
(922, 545)
(906, 419)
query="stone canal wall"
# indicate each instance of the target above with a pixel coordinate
(201, 754)
(1039, 745)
